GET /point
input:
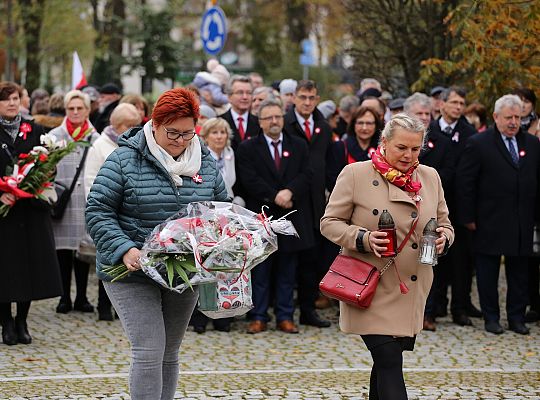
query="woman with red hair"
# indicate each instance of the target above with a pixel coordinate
(154, 172)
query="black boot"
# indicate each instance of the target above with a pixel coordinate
(22, 331)
(9, 335)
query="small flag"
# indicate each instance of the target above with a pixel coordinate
(78, 79)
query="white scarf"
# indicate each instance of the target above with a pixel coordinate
(188, 163)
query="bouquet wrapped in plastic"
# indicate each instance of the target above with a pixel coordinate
(207, 242)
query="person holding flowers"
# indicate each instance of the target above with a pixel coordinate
(29, 268)
(70, 228)
(154, 173)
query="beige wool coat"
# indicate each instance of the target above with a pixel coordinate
(358, 199)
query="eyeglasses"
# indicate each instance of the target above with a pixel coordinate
(173, 134)
(243, 93)
(364, 123)
(304, 98)
(272, 117)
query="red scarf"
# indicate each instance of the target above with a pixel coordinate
(402, 180)
(71, 130)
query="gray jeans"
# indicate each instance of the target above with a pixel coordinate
(155, 320)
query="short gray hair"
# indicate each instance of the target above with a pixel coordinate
(125, 113)
(370, 82)
(215, 123)
(77, 94)
(403, 121)
(237, 78)
(349, 103)
(416, 98)
(268, 103)
(264, 89)
(445, 94)
(508, 100)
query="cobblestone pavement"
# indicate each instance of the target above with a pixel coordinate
(74, 356)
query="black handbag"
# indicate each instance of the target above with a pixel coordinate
(63, 193)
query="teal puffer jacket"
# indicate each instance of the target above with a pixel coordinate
(133, 193)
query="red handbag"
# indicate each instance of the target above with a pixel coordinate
(354, 281)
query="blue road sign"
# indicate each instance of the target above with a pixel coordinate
(213, 30)
(307, 57)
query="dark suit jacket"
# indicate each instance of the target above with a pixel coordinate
(253, 128)
(464, 131)
(499, 196)
(318, 148)
(439, 154)
(103, 119)
(258, 174)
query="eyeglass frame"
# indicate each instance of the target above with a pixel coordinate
(272, 117)
(183, 135)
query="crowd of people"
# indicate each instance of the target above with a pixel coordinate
(279, 146)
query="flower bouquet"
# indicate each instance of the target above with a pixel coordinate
(208, 243)
(33, 173)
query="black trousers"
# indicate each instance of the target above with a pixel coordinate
(455, 269)
(68, 262)
(386, 381)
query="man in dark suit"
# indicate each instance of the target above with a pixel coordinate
(244, 125)
(437, 153)
(274, 169)
(498, 179)
(456, 267)
(304, 121)
(109, 98)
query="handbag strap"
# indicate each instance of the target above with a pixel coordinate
(78, 171)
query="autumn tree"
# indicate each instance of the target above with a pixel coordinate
(388, 39)
(32, 12)
(497, 49)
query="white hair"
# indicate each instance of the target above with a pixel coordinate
(125, 113)
(508, 100)
(370, 82)
(77, 94)
(349, 103)
(416, 98)
(403, 121)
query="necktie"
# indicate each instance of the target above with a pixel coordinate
(241, 130)
(277, 158)
(448, 131)
(307, 130)
(512, 151)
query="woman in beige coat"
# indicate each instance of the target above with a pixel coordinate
(392, 180)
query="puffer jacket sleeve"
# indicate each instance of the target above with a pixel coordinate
(220, 191)
(104, 201)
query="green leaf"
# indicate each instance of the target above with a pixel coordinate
(170, 270)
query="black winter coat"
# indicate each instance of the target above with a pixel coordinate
(29, 268)
(258, 174)
(319, 145)
(499, 196)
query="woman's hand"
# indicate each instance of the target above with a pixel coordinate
(132, 259)
(377, 241)
(8, 199)
(440, 243)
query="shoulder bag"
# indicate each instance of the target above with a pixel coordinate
(63, 193)
(354, 281)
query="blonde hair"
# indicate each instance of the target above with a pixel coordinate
(403, 121)
(125, 113)
(215, 123)
(77, 94)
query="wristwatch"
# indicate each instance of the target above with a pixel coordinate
(360, 241)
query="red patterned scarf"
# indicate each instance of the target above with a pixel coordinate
(402, 180)
(71, 130)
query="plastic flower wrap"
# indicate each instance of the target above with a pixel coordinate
(206, 240)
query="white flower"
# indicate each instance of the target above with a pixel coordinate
(51, 142)
(39, 149)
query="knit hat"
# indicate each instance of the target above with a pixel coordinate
(327, 108)
(287, 86)
(218, 71)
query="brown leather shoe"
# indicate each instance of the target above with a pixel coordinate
(323, 302)
(256, 327)
(429, 324)
(287, 326)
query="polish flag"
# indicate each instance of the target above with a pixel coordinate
(78, 79)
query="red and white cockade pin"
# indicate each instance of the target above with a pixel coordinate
(197, 178)
(317, 130)
(430, 144)
(455, 138)
(286, 154)
(25, 129)
(522, 153)
(370, 151)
